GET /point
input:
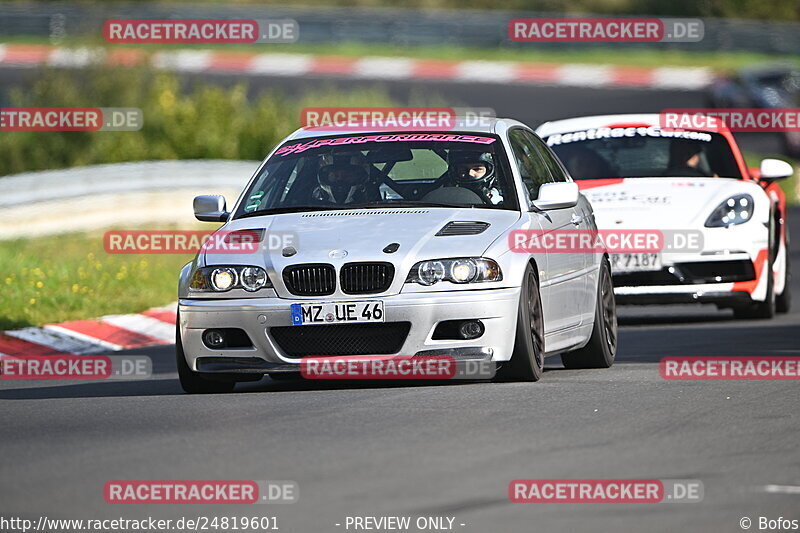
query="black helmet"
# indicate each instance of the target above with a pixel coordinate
(343, 177)
(471, 168)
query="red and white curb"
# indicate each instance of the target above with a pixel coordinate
(110, 333)
(386, 68)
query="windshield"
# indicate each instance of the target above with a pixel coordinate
(632, 152)
(402, 170)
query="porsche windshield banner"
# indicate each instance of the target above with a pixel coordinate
(615, 133)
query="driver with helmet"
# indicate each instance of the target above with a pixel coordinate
(475, 171)
(343, 179)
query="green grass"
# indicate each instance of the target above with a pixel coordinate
(590, 54)
(70, 277)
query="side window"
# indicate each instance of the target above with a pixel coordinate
(531, 166)
(552, 163)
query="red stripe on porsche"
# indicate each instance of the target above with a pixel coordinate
(170, 317)
(13, 346)
(110, 333)
(591, 184)
(760, 264)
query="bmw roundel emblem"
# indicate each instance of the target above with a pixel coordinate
(337, 254)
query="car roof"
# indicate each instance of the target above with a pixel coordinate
(488, 125)
(605, 121)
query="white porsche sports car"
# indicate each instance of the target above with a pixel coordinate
(399, 245)
(694, 186)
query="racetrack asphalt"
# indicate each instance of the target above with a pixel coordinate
(451, 449)
(434, 449)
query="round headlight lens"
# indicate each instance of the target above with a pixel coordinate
(463, 270)
(253, 278)
(431, 272)
(223, 279)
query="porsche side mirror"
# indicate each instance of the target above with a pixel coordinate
(210, 208)
(774, 169)
(556, 196)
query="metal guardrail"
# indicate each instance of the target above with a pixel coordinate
(401, 27)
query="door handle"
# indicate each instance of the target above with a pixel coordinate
(576, 220)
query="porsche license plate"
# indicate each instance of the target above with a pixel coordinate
(336, 312)
(636, 262)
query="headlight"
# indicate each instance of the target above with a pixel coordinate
(253, 278)
(735, 210)
(225, 278)
(429, 272)
(458, 270)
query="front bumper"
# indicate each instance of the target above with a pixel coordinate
(496, 308)
(724, 279)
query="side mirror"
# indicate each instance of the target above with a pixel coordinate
(556, 196)
(210, 208)
(774, 169)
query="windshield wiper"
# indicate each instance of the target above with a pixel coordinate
(293, 209)
(401, 203)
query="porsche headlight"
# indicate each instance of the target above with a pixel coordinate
(459, 270)
(225, 278)
(735, 210)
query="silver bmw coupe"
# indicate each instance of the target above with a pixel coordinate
(373, 243)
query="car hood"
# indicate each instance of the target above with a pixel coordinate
(645, 203)
(338, 237)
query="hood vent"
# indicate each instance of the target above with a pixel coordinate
(362, 213)
(462, 228)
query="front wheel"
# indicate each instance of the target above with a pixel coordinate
(602, 347)
(761, 310)
(527, 359)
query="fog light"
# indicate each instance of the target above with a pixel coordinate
(213, 338)
(471, 329)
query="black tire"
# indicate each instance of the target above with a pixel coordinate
(783, 301)
(760, 310)
(527, 359)
(601, 350)
(195, 382)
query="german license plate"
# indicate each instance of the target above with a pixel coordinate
(336, 312)
(635, 262)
